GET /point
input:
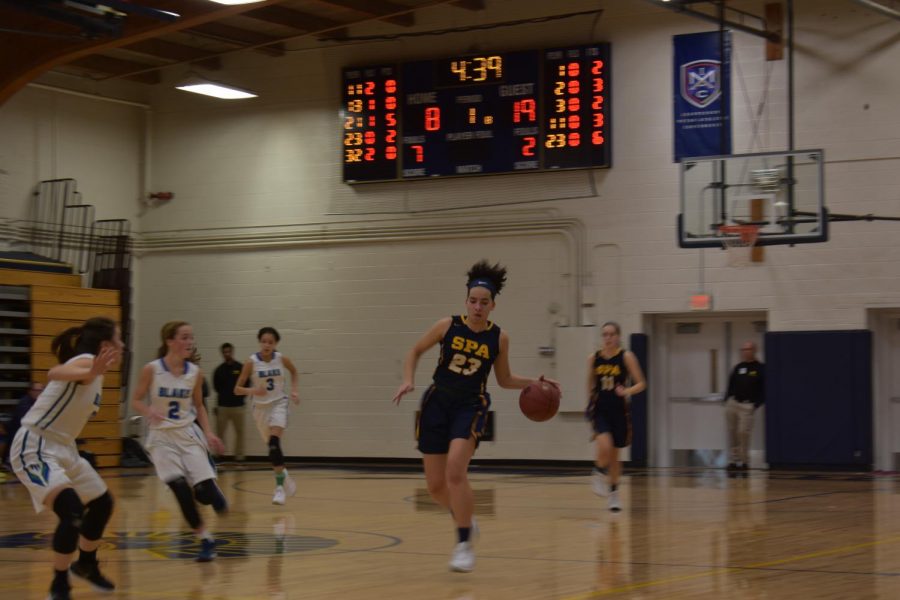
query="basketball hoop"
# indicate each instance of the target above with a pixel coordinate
(738, 241)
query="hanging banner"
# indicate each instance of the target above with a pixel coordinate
(702, 95)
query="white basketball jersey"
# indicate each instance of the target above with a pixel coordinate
(64, 407)
(172, 395)
(269, 375)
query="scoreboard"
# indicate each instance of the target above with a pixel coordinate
(530, 110)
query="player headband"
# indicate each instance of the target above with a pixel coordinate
(485, 283)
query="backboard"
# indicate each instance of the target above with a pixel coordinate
(780, 192)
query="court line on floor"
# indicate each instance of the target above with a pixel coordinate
(719, 571)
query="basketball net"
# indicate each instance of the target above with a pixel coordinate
(738, 241)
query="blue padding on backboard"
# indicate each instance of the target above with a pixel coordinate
(639, 450)
(819, 398)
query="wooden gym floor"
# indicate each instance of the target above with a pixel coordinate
(374, 534)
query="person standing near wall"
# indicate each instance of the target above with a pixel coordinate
(230, 408)
(744, 396)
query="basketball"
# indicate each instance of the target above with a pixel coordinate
(539, 402)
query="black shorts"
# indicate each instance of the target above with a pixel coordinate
(612, 416)
(447, 414)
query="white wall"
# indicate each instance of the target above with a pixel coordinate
(49, 135)
(266, 174)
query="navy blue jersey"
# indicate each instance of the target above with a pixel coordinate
(466, 356)
(609, 373)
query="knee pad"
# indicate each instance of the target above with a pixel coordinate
(96, 516)
(185, 498)
(275, 454)
(69, 509)
(207, 492)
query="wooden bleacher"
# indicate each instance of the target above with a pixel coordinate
(58, 301)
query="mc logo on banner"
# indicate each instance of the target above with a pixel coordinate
(702, 95)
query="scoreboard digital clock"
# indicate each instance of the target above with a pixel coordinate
(531, 110)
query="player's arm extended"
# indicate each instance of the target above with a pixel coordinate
(505, 378)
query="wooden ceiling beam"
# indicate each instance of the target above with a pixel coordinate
(377, 8)
(469, 4)
(176, 53)
(294, 19)
(107, 65)
(26, 61)
(239, 37)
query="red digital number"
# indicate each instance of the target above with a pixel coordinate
(528, 146)
(574, 69)
(390, 102)
(574, 122)
(598, 120)
(432, 118)
(598, 85)
(574, 105)
(390, 152)
(390, 86)
(391, 136)
(524, 110)
(372, 104)
(597, 67)
(574, 87)
(369, 138)
(370, 88)
(597, 104)
(390, 119)
(597, 138)
(369, 155)
(372, 121)
(574, 139)
(420, 152)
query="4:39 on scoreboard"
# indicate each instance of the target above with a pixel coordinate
(531, 110)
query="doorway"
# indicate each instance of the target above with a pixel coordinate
(695, 355)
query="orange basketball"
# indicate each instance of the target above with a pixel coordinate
(540, 401)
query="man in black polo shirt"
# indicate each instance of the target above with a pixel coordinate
(744, 396)
(231, 407)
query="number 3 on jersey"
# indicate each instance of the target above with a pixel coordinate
(464, 365)
(270, 385)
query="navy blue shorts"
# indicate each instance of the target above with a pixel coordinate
(612, 416)
(447, 414)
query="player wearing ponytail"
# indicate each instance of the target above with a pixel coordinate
(46, 460)
(455, 406)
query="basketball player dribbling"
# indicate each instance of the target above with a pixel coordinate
(454, 408)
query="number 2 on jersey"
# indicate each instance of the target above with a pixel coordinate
(458, 364)
(174, 407)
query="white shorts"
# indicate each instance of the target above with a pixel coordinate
(43, 465)
(273, 414)
(180, 452)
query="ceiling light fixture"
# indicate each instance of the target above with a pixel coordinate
(206, 87)
(232, 2)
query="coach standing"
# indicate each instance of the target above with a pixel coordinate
(230, 407)
(744, 396)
